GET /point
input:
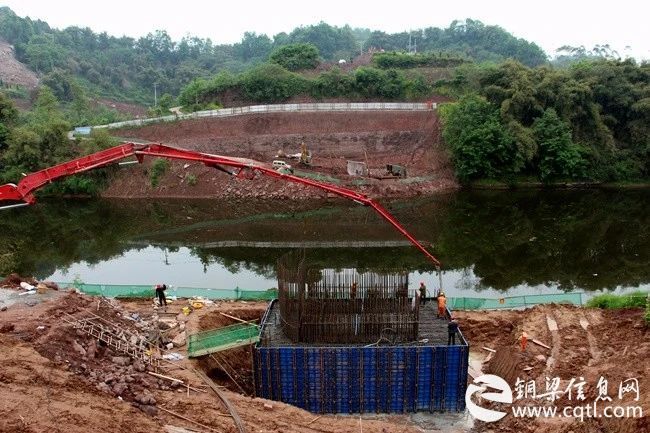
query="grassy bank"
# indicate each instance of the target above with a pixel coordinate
(610, 301)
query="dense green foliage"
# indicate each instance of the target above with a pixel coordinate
(559, 157)
(296, 57)
(271, 83)
(39, 139)
(402, 60)
(588, 122)
(470, 38)
(481, 146)
(125, 68)
(611, 301)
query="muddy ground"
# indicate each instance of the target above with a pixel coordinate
(410, 139)
(55, 378)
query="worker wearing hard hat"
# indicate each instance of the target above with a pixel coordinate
(423, 293)
(442, 305)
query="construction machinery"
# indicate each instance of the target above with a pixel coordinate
(305, 155)
(23, 193)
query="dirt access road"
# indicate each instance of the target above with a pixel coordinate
(411, 139)
(53, 378)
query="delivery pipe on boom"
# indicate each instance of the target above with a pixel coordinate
(23, 192)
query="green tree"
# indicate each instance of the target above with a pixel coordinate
(296, 57)
(481, 146)
(332, 83)
(8, 116)
(253, 47)
(271, 83)
(558, 156)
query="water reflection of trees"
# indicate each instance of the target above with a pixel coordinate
(585, 239)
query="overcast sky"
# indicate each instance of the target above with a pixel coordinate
(549, 23)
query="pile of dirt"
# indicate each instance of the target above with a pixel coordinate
(409, 139)
(584, 343)
(50, 384)
(14, 72)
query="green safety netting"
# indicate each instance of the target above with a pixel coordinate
(227, 337)
(141, 291)
(513, 301)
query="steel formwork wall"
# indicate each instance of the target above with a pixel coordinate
(364, 379)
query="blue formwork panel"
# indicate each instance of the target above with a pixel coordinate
(410, 380)
(363, 379)
(354, 380)
(287, 375)
(301, 377)
(439, 383)
(424, 377)
(396, 377)
(329, 380)
(369, 380)
(315, 397)
(383, 369)
(343, 386)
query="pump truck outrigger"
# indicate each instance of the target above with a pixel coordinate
(240, 167)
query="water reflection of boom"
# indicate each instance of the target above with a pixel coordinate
(247, 168)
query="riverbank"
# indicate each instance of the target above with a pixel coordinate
(490, 184)
(78, 384)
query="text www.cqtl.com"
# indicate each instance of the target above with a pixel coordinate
(578, 412)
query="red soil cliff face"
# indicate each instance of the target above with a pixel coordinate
(411, 139)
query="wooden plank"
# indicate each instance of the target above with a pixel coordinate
(539, 343)
(237, 318)
(178, 415)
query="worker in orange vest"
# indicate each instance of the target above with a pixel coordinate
(524, 341)
(442, 305)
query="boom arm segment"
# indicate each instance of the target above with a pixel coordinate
(23, 191)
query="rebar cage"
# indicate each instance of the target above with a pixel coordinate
(344, 306)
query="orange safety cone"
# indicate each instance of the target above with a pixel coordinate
(524, 341)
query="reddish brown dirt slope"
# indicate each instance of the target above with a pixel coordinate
(14, 72)
(410, 139)
(583, 342)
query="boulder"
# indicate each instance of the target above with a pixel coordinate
(149, 409)
(139, 366)
(180, 340)
(121, 360)
(145, 397)
(78, 348)
(120, 388)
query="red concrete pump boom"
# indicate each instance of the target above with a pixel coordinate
(23, 192)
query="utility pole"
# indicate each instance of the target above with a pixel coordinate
(155, 95)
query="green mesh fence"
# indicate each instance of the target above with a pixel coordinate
(513, 301)
(140, 291)
(227, 337)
